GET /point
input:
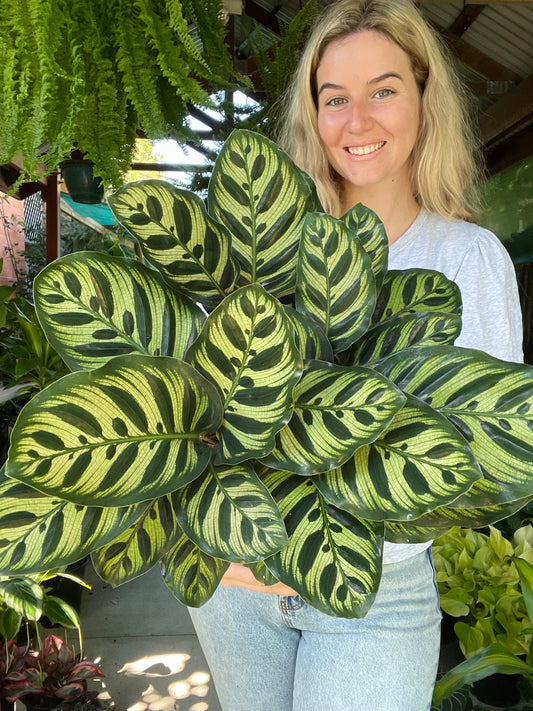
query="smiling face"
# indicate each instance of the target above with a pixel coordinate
(368, 112)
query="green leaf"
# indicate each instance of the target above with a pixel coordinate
(190, 574)
(334, 280)
(407, 291)
(525, 571)
(93, 307)
(246, 349)
(24, 596)
(262, 573)
(133, 430)
(229, 514)
(435, 523)
(336, 411)
(261, 197)
(332, 559)
(140, 546)
(371, 233)
(191, 250)
(60, 612)
(489, 401)
(495, 659)
(10, 623)
(419, 463)
(309, 337)
(400, 332)
(39, 532)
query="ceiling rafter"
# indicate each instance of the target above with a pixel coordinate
(476, 60)
(465, 19)
(509, 113)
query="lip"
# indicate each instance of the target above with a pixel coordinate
(364, 151)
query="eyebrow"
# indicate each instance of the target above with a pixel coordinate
(375, 80)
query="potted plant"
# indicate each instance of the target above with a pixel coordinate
(262, 390)
(49, 677)
(486, 583)
(29, 600)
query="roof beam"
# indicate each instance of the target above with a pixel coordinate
(468, 15)
(264, 17)
(511, 112)
(477, 61)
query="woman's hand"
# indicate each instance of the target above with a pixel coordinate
(239, 576)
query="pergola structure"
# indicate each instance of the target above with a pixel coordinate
(491, 41)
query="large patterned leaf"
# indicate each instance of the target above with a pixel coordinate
(190, 249)
(93, 307)
(334, 280)
(229, 513)
(39, 532)
(190, 574)
(310, 339)
(140, 546)
(247, 350)
(407, 291)
(419, 463)
(399, 332)
(336, 410)
(133, 430)
(333, 559)
(435, 523)
(258, 193)
(371, 233)
(489, 401)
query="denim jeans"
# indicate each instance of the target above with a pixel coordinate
(272, 653)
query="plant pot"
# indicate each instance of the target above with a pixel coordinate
(39, 702)
(80, 182)
(498, 690)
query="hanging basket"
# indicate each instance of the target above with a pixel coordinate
(81, 183)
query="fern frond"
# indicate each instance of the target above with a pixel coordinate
(172, 57)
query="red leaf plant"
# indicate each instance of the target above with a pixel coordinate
(53, 671)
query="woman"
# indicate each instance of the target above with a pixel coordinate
(374, 116)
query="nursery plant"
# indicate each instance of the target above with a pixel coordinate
(479, 584)
(53, 672)
(262, 390)
(27, 599)
(500, 656)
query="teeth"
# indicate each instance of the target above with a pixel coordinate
(364, 150)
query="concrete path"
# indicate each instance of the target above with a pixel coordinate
(149, 652)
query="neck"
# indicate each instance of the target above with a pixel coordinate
(396, 206)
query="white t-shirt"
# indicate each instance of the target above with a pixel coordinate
(478, 263)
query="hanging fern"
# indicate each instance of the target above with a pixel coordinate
(90, 75)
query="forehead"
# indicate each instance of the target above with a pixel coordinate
(366, 54)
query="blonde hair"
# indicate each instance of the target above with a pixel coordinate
(444, 164)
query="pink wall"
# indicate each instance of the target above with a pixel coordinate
(11, 234)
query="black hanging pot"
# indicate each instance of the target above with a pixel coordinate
(81, 183)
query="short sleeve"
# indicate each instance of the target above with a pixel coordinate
(492, 319)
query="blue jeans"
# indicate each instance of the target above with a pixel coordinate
(272, 653)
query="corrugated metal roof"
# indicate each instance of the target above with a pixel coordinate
(505, 33)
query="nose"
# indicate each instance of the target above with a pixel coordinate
(359, 116)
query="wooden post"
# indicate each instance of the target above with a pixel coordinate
(52, 196)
